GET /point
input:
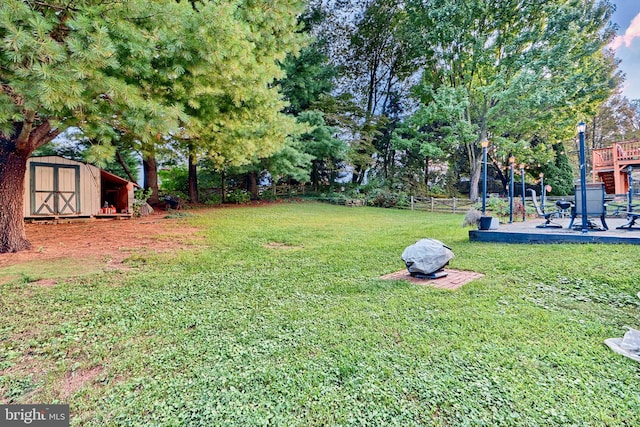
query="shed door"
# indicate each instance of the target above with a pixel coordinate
(55, 189)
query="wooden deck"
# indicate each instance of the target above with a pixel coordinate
(610, 164)
(527, 233)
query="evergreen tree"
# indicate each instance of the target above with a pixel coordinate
(66, 64)
(141, 69)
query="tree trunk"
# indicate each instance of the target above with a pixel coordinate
(476, 169)
(252, 185)
(223, 185)
(355, 177)
(426, 171)
(315, 175)
(361, 176)
(125, 167)
(150, 170)
(193, 179)
(504, 178)
(14, 152)
(12, 173)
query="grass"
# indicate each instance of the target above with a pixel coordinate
(283, 320)
(32, 271)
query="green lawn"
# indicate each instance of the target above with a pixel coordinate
(282, 320)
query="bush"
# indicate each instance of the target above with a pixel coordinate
(239, 196)
(140, 199)
(498, 206)
(383, 198)
(335, 198)
(268, 195)
(437, 191)
(472, 218)
(212, 199)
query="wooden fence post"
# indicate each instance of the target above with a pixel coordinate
(411, 202)
(432, 204)
(454, 205)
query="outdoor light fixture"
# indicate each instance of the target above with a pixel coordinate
(630, 183)
(542, 195)
(512, 161)
(632, 217)
(524, 210)
(582, 127)
(484, 144)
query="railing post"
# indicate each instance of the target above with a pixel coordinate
(411, 202)
(432, 204)
(454, 205)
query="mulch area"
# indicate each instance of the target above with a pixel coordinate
(109, 239)
(452, 281)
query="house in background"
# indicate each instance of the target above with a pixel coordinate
(56, 187)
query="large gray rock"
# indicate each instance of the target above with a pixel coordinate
(146, 209)
(426, 256)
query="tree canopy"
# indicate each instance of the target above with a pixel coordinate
(203, 70)
(385, 86)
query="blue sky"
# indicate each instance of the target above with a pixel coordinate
(627, 44)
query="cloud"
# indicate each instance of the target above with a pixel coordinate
(632, 32)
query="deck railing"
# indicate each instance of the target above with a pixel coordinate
(619, 152)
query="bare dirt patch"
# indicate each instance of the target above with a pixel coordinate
(106, 242)
(74, 381)
(277, 245)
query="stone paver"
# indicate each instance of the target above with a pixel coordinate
(452, 281)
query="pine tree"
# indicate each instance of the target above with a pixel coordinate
(147, 70)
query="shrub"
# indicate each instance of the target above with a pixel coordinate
(268, 195)
(140, 199)
(472, 218)
(334, 198)
(212, 199)
(498, 206)
(239, 196)
(383, 198)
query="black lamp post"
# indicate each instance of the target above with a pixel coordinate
(542, 191)
(524, 210)
(630, 182)
(512, 161)
(484, 144)
(582, 127)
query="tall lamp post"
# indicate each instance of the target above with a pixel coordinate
(630, 195)
(512, 161)
(542, 191)
(582, 127)
(524, 210)
(484, 144)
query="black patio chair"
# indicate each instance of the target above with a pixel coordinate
(632, 217)
(541, 213)
(596, 205)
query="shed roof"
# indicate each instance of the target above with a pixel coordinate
(108, 176)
